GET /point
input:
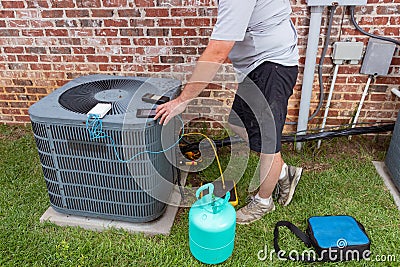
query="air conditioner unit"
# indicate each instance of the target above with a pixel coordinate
(392, 160)
(96, 178)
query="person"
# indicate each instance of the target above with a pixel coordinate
(260, 40)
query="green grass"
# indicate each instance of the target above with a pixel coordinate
(335, 181)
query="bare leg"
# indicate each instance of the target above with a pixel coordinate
(270, 166)
(270, 170)
(261, 204)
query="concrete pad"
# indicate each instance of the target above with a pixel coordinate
(162, 225)
(382, 171)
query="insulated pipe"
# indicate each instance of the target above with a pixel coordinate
(309, 69)
(362, 100)
(396, 92)
(328, 103)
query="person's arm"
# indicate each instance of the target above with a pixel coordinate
(214, 55)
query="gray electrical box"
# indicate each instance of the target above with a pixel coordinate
(337, 2)
(378, 57)
(347, 51)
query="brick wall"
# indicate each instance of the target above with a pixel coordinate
(46, 43)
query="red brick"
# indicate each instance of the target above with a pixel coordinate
(9, 32)
(41, 66)
(28, 58)
(133, 68)
(201, 41)
(131, 12)
(13, 4)
(50, 58)
(37, 3)
(144, 41)
(108, 67)
(197, 22)
(207, 12)
(170, 41)
(103, 59)
(60, 50)
(106, 32)
(19, 104)
(27, 14)
(13, 111)
(102, 13)
(122, 59)
(141, 23)
(13, 50)
(183, 32)
(177, 12)
(83, 50)
(7, 14)
(388, 10)
(172, 59)
(73, 58)
(30, 32)
(89, 3)
(116, 23)
(82, 33)
(205, 31)
(158, 68)
(157, 12)
(131, 32)
(62, 4)
(115, 3)
(169, 22)
(184, 50)
(77, 13)
(86, 67)
(42, 24)
(118, 41)
(22, 118)
(52, 13)
(56, 32)
(69, 41)
(144, 3)
(158, 32)
(128, 50)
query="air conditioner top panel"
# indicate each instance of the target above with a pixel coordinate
(71, 103)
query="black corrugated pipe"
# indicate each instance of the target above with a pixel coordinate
(367, 33)
(300, 138)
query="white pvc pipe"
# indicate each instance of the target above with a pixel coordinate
(362, 101)
(396, 92)
(328, 103)
(309, 69)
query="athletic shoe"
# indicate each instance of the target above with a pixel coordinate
(253, 211)
(287, 185)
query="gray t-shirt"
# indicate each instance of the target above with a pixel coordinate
(262, 29)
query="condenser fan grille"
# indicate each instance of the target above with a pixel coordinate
(84, 97)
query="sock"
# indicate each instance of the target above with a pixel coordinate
(283, 171)
(265, 201)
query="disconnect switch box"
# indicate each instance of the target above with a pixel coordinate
(377, 57)
(347, 51)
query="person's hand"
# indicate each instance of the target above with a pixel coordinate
(169, 110)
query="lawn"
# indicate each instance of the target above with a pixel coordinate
(337, 179)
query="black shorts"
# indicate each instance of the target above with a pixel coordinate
(260, 105)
